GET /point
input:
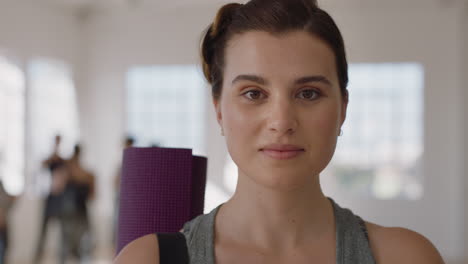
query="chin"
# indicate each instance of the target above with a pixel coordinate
(283, 179)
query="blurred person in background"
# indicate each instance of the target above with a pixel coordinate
(52, 206)
(6, 201)
(79, 189)
(128, 142)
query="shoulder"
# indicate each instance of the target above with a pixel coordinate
(144, 250)
(401, 245)
(201, 224)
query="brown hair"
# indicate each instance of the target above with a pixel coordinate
(273, 16)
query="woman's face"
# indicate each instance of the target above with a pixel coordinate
(281, 108)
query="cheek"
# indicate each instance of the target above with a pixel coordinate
(237, 119)
(323, 129)
(327, 121)
(240, 131)
(236, 123)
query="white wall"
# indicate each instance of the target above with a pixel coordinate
(33, 29)
(464, 33)
(29, 30)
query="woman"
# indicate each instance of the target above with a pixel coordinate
(278, 73)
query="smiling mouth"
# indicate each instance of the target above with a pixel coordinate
(282, 154)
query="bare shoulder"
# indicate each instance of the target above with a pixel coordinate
(144, 250)
(401, 245)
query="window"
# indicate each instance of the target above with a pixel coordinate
(166, 106)
(52, 110)
(380, 151)
(12, 116)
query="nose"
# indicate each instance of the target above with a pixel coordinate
(282, 117)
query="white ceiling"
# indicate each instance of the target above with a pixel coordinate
(112, 4)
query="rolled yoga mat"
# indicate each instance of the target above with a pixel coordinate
(160, 190)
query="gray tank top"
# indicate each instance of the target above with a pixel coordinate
(352, 243)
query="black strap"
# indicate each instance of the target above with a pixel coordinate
(172, 248)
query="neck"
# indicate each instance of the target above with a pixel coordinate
(273, 218)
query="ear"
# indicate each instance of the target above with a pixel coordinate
(217, 106)
(344, 110)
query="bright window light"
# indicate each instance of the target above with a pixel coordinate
(380, 152)
(52, 110)
(166, 106)
(12, 116)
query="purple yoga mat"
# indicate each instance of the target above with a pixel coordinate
(160, 190)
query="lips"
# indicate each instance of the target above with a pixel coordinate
(282, 151)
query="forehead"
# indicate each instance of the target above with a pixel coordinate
(286, 55)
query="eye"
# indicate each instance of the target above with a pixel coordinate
(308, 94)
(253, 95)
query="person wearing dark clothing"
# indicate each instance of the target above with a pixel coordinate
(6, 202)
(75, 216)
(52, 206)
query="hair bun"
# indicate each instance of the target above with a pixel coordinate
(224, 18)
(215, 31)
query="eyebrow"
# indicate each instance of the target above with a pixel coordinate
(302, 80)
(314, 78)
(249, 77)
